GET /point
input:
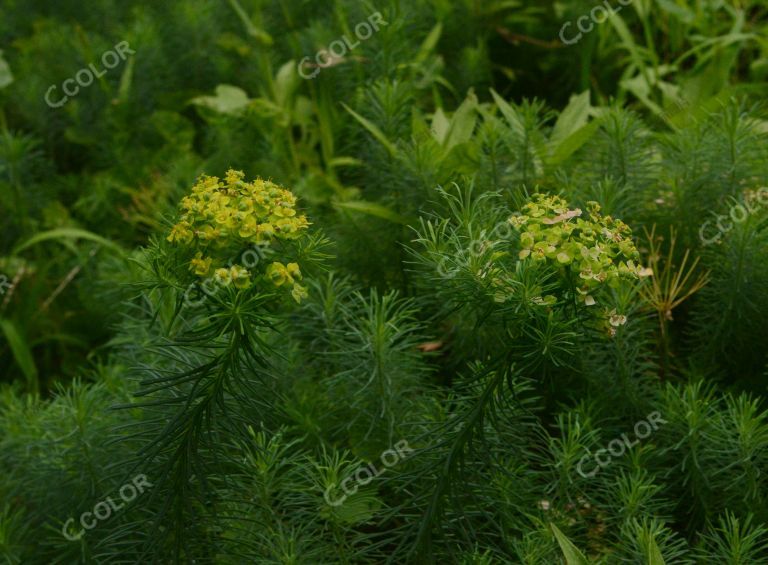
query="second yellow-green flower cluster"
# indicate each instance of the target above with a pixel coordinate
(599, 248)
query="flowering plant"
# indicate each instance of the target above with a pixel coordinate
(599, 248)
(591, 253)
(222, 216)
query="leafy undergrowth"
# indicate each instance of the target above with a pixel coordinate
(473, 291)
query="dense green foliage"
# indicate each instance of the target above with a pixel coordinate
(489, 289)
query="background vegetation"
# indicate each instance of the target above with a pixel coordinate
(409, 154)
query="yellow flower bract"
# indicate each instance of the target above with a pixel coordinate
(230, 212)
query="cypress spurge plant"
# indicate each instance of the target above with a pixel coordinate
(532, 282)
(537, 284)
(216, 356)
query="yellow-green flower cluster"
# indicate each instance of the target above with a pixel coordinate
(597, 248)
(218, 211)
(222, 215)
(281, 274)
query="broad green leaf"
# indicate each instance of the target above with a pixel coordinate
(374, 130)
(228, 100)
(669, 91)
(440, 125)
(303, 111)
(640, 86)
(65, 234)
(511, 115)
(573, 143)
(462, 122)
(286, 82)
(21, 353)
(571, 119)
(6, 77)
(572, 554)
(373, 209)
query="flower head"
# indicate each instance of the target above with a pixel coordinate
(220, 217)
(599, 248)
